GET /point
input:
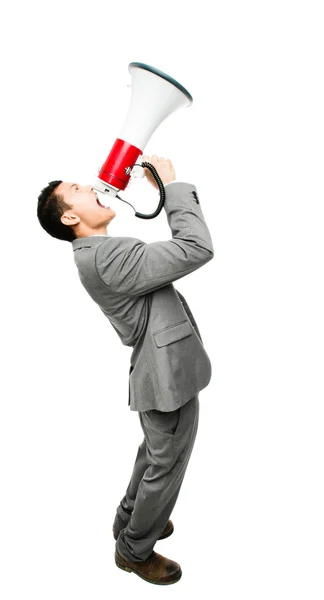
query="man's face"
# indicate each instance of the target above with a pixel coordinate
(86, 213)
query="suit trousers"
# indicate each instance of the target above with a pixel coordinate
(158, 473)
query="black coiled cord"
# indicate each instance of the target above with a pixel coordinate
(158, 180)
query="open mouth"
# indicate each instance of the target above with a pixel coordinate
(101, 204)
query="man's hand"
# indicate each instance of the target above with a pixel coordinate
(163, 167)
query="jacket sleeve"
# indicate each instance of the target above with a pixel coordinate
(130, 266)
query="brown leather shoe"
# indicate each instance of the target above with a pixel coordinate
(168, 530)
(155, 569)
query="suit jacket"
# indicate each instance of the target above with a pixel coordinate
(132, 283)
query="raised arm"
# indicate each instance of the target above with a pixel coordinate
(130, 266)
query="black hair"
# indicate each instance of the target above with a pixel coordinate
(50, 208)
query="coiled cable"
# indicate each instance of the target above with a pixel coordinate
(158, 180)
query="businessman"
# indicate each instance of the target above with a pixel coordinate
(132, 283)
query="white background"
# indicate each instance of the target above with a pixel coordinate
(249, 518)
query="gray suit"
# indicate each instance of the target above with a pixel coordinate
(132, 283)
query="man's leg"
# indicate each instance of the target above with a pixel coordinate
(170, 438)
(126, 506)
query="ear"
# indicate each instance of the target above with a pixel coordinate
(70, 219)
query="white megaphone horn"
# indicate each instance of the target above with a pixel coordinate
(155, 95)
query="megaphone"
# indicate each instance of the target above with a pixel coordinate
(155, 95)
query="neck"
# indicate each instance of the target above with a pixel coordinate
(86, 231)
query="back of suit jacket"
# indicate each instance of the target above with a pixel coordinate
(132, 283)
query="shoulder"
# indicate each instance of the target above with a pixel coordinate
(112, 247)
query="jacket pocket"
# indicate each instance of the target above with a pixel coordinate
(173, 333)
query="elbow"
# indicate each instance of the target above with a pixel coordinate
(209, 254)
(205, 255)
(204, 258)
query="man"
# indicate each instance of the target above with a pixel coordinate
(132, 283)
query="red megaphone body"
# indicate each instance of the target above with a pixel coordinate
(155, 95)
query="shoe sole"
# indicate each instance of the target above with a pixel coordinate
(129, 570)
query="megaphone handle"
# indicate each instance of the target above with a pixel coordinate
(159, 182)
